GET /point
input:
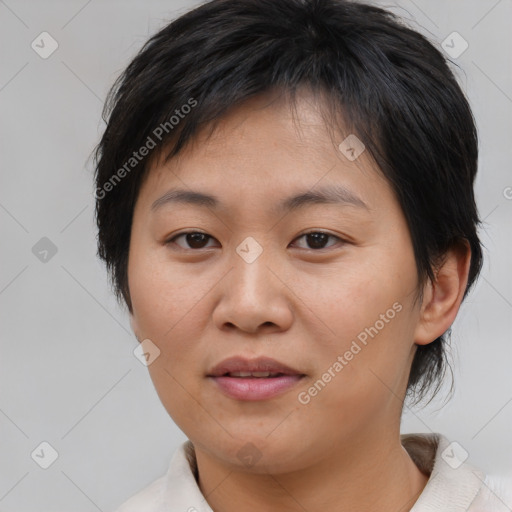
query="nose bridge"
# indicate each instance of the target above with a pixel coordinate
(253, 296)
(250, 266)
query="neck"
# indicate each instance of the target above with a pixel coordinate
(364, 476)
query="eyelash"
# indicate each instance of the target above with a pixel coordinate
(184, 233)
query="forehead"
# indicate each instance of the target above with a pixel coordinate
(263, 149)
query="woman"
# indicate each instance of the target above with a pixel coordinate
(285, 202)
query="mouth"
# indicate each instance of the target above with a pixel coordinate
(252, 375)
(257, 379)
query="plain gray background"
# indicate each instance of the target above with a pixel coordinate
(68, 375)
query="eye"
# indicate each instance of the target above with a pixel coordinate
(317, 239)
(195, 239)
(198, 240)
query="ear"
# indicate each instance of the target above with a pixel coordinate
(442, 298)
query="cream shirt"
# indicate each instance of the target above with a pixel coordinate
(453, 485)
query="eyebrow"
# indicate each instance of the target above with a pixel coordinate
(333, 194)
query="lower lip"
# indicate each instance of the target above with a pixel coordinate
(256, 388)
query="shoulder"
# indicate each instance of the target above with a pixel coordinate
(495, 494)
(454, 484)
(146, 500)
(176, 490)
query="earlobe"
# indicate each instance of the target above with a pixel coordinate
(443, 297)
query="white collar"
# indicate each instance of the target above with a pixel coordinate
(453, 484)
(452, 487)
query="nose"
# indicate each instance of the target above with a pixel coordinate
(254, 296)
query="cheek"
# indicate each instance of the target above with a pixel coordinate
(368, 316)
(167, 307)
(360, 376)
(163, 294)
(170, 308)
(357, 295)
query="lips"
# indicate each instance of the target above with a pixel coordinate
(252, 368)
(254, 379)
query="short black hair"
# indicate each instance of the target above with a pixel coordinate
(383, 80)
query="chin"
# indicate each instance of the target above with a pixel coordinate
(260, 454)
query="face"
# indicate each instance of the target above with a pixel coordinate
(326, 288)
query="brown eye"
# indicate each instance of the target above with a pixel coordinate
(194, 239)
(317, 239)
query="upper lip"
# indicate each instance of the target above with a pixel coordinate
(242, 364)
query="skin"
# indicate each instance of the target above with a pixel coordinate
(300, 303)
